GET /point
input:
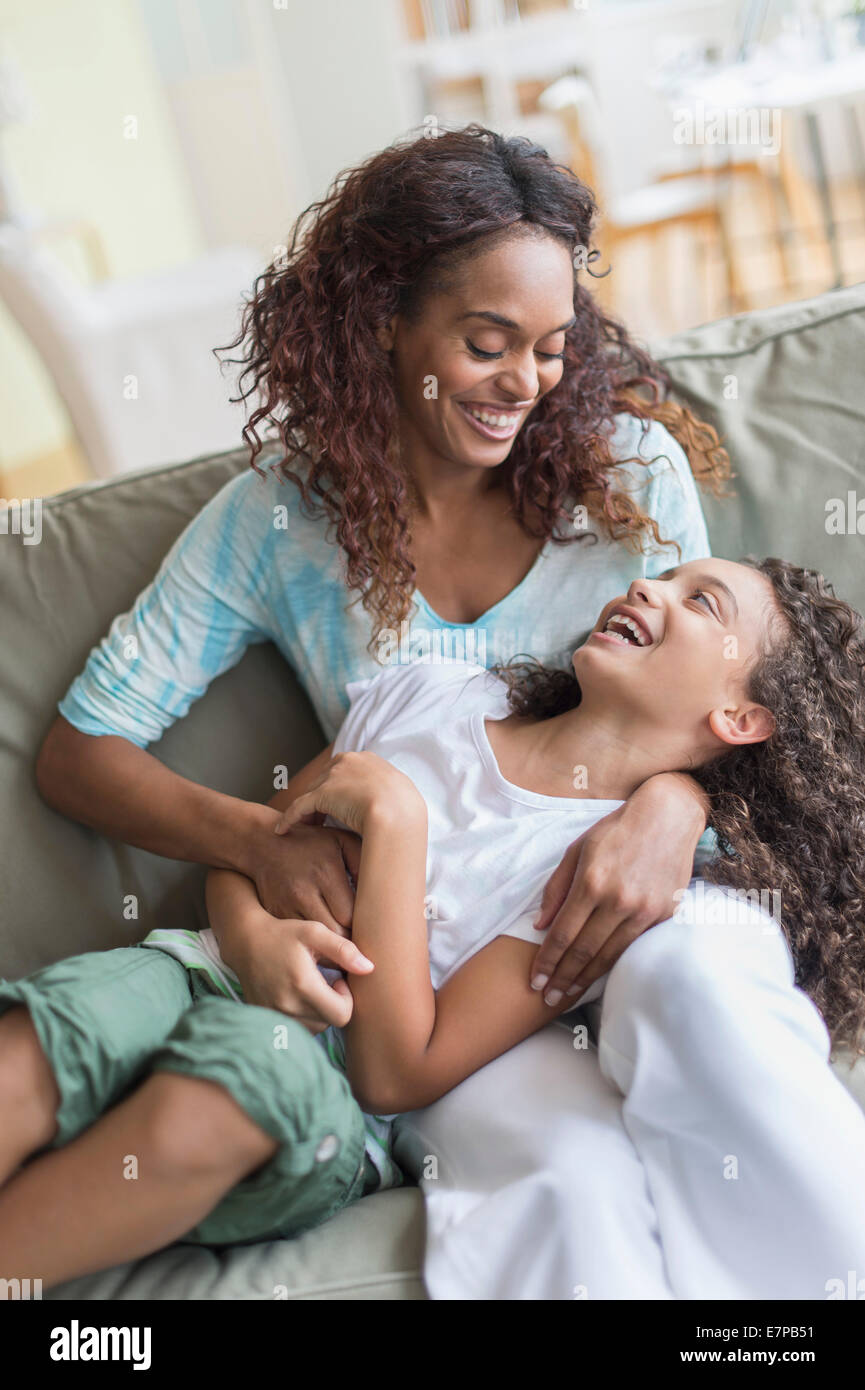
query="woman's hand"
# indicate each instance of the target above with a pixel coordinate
(615, 881)
(306, 873)
(352, 788)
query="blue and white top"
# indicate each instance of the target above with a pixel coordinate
(251, 567)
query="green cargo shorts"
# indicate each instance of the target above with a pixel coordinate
(108, 1019)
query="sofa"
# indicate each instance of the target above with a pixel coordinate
(785, 389)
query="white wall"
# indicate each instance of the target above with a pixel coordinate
(271, 98)
(335, 66)
(87, 67)
(246, 110)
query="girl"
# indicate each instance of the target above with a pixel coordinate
(464, 785)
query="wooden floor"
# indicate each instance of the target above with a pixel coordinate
(658, 286)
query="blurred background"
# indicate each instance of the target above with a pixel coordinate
(155, 153)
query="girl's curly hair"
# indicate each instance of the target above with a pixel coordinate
(788, 813)
(387, 234)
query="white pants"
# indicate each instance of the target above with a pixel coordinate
(704, 1149)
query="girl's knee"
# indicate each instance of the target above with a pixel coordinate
(27, 1082)
(195, 1126)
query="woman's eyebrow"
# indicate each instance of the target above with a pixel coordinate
(502, 322)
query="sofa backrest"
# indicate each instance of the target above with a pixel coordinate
(785, 388)
(795, 428)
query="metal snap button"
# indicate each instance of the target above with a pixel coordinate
(327, 1148)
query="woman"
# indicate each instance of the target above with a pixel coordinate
(459, 424)
(458, 786)
(430, 297)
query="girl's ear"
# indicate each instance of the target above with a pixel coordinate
(386, 334)
(746, 724)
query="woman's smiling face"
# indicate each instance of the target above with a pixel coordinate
(492, 343)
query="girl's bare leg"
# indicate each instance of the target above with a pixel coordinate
(28, 1092)
(147, 1172)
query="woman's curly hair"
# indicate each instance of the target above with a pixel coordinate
(387, 234)
(788, 813)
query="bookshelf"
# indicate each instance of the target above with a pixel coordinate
(476, 54)
(488, 60)
(431, 19)
(491, 60)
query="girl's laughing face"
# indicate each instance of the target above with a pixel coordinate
(674, 654)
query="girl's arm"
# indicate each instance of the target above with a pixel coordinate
(275, 958)
(394, 1007)
(405, 1044)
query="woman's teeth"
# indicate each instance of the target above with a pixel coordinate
(504, 422)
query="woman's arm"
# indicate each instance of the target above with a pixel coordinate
(616, 881)
(209, 602)
(112, 785)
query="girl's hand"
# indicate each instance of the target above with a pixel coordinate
(353, 788)
(277, 965)
(615, 881)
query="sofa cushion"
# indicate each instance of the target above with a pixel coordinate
(784, 389)
(370, 1250)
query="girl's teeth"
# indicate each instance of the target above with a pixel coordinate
(629, 623)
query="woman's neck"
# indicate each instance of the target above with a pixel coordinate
(440, 484)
